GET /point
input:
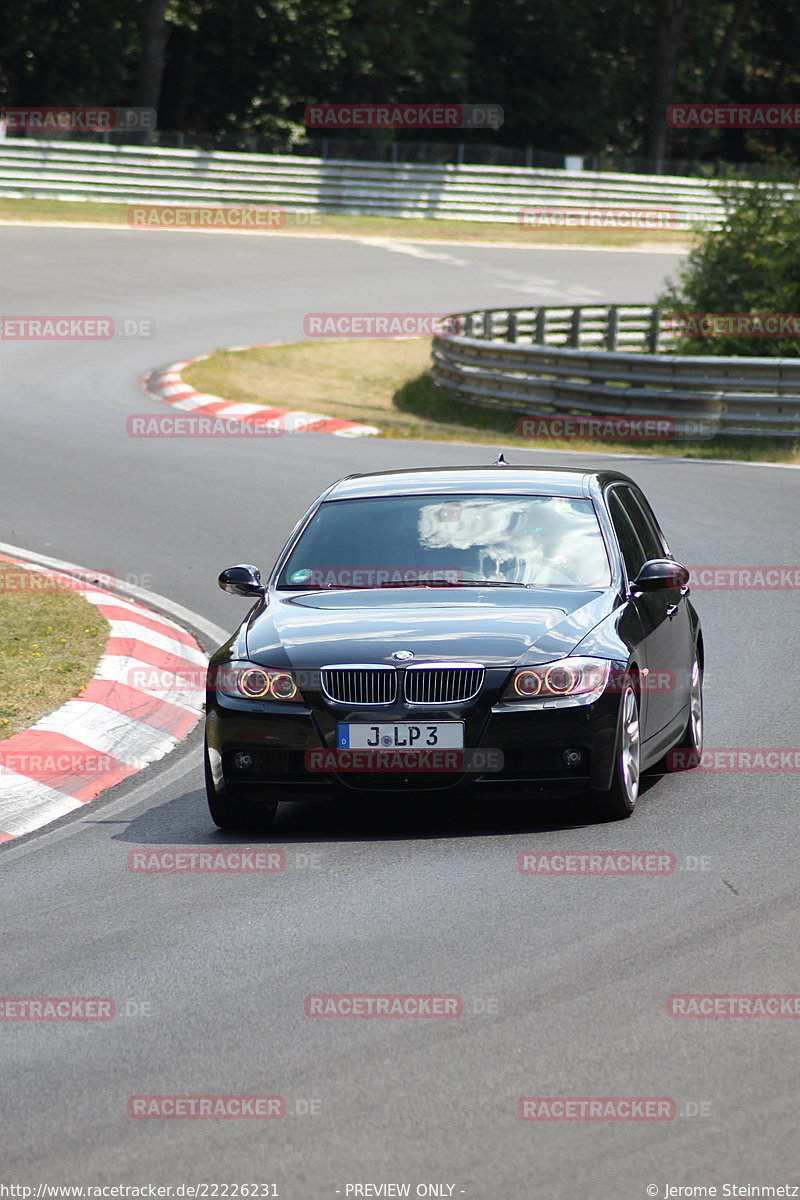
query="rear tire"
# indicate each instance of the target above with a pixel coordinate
(232, 812)
(620, 800)
(685, 755)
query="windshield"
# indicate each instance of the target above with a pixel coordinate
(459, 541)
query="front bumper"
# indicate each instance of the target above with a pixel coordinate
(279, 739)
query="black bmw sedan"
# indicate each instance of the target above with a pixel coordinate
(483, 630)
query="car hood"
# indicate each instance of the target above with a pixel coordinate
(495, 626)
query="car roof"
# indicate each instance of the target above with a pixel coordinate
(548, 481)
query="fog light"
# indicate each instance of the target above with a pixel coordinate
(572, 757)
(242, 761)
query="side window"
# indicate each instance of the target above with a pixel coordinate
(650, 517)
(632, 550)
(642, 523)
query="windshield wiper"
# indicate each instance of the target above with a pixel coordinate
(448, 583)
(402, 583)
(482, 583)
(409, 583)
(444, 583)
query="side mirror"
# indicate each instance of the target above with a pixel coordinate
(244, 580)
(659, 574)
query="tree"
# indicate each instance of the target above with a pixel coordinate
(151, 63)
(750, 265)
(671, 16)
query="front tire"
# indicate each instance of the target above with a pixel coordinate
(230, 811)
(620, 800)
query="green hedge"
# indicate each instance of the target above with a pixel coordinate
(750, 265)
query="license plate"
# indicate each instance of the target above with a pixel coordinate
(445, 735)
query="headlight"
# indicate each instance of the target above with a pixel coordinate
(527, 683)
(566, 677)
(243, 680)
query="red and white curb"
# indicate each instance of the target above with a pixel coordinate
(168, 385)
(113, 729)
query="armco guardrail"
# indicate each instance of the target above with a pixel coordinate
(71, 171)
(598, 361)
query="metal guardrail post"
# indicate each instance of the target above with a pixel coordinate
(511, 328)
(653, 331)
(540, 326)
(469, 325)
(612, 325)
(575, 328)
(487, 325)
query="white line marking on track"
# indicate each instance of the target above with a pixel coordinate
(354, 237)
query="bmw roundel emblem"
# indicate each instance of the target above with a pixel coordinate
(402, 655)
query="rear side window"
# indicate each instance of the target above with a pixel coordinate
(642, 523)
(632, 550)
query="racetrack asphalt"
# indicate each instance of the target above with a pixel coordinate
(571, 975)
